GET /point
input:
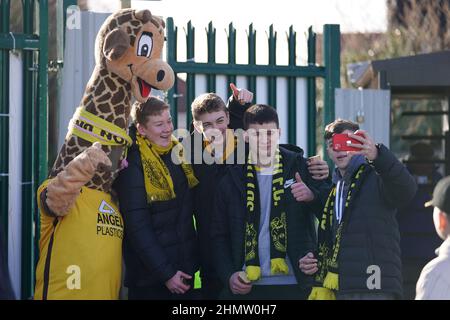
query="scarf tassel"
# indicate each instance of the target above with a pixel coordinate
(331, 281)
(320, 293)
(278, 266)
(253, 273)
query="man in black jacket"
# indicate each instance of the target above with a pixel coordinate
(358, 255)
(263, 219)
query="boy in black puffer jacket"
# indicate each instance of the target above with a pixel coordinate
(156, 200)
(358, 255)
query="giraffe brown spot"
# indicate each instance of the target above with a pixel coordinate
(124, 18)
(118, 97)
(104, 72)
(107, 176)
(104, 108)
(97, 81)
(107, 186)
(67, 160)
(110, 118)
(106, 149)
(91, 107)
(84, 143)
(104, 97)
(129, 30)
(132, 39)
(100, 89)
(97, 180)
(57, 164)
(73, 150)
(135, 23)
(120, 122)
(119, 109)
(113, 24)
(110, 83)
(71, 142)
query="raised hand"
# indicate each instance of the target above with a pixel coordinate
(300, 190)
(242, 95)
(368, 147)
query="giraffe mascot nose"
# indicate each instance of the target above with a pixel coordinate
(160, 75)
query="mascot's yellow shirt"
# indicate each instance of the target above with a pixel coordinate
(81, 253)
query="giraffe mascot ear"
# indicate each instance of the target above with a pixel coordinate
(116, 44)
(143, 15)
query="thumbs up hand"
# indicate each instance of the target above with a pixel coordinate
(242, 95)
(300, 190)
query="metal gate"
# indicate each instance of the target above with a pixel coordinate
(32, 49)
(330, 72)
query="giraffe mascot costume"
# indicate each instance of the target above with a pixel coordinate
(81, 227)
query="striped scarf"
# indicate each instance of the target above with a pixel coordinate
(327, 277)
(278, 224)
(158, 182)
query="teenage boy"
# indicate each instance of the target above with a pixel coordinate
(358, 254)
(263, 219)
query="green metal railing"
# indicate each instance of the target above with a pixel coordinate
(34, 48)
(4, 125)
(330, 72)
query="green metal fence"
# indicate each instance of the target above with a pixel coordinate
(33, 44)
(330, 71)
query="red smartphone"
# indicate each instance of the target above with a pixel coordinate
(341, 141)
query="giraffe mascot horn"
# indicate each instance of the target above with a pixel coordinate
(81, 227)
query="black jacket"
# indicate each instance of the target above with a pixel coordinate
(209, 176)
(371, 237)
(229, 218)
(159, 238)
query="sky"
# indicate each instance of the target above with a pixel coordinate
(351, 15)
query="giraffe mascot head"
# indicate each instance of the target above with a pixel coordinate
(130, 45)
(128, 60)
(75, 204)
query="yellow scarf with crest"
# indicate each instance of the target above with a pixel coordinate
(158, 182)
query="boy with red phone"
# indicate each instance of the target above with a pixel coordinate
(358, 253)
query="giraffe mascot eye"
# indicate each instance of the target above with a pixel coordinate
(145, 45)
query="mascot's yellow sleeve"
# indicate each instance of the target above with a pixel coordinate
(81, 253)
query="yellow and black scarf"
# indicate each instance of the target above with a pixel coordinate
(158, 182)
(327, 277)
(278, 224)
